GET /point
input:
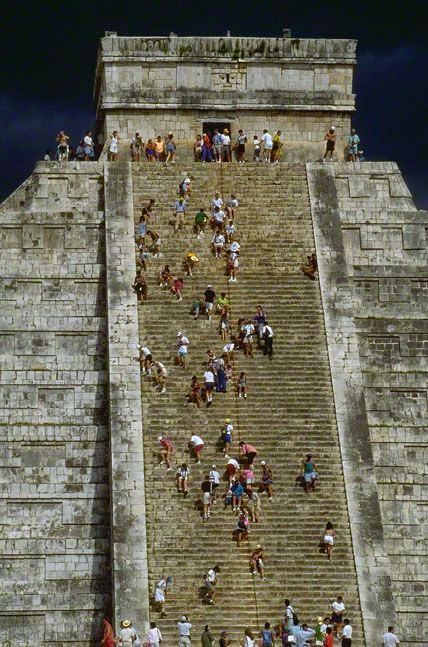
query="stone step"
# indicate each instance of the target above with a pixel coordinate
(294, 390)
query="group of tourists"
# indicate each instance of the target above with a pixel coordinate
(353, 154)
(217, 146)
(87, 149)
(245, 483)
(289, 631)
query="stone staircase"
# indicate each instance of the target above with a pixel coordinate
(289, 410)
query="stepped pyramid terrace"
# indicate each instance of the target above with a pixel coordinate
(91, 520)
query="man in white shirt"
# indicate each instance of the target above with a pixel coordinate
(127, 635)
(215, 480)
(216, 202)
(346, 634)
(268, 336)
(154, 636)
(210, 582)
(209, 386)
(225, 145)
(184, 628)
(227, 437)
(196, 444)
(218, 241)
(182, 344)
(389, 638)
(235, 247)
(267, 145)
(289, 613)
(88, 145)
(229, 349)
(217, 220)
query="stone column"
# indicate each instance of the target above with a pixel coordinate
(129, 548)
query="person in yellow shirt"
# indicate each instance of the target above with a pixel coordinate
(190, 262)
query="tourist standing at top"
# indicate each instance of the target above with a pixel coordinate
(240, 146)
(330, 138)
(62, 140)
(217, 144)
(276, 148)
(353, 141)
(267, 145)
(225, 145)
(89, 146)
(137, 146)
(114, 145)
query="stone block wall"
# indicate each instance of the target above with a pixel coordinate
(381, 237)
(302, 133)
(154, 85)
(54, 491)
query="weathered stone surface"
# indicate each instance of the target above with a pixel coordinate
(371, 247)
(128, 523)
(54, 498)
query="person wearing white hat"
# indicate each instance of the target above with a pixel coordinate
(330, 138)
(127, 634)
(184, 628)
(182, 344)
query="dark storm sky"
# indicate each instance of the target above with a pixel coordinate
(48, 53)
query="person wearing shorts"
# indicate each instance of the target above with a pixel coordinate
(150, 151)
(196, 445)
(209, 301)
(353, 142)
(182, 478)
(267, 145)
(338, 608)
(182, 344)
(215, 482)
(330, 138)
(209, 386)
(227, 437)
(231, 468)
(62, 140)
(206, 488)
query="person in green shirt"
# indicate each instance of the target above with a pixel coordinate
(223, 303)
(207, 638)
(200, 222)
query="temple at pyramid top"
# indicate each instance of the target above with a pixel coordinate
(156, 84)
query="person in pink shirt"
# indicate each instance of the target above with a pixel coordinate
(247, 451)
(249, 476)
(166, 451)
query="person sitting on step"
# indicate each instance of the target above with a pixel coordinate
(256, 562)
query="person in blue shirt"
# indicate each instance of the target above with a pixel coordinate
(353, 141)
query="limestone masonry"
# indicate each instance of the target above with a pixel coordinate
(89, 520)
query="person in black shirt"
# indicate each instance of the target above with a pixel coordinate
(206, 487)
(209, 300)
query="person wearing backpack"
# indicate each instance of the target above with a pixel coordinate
(267, 638)
(291, 617)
